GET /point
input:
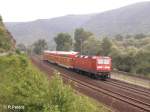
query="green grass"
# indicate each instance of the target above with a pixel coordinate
(23, 84)
(101, 107)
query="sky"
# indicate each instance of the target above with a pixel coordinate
(29, 10)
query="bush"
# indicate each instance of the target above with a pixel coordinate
(63, 98)
(23, 84)
(143, 62)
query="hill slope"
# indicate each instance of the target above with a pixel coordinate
(7, 42)
(131, 19)
(45, 28)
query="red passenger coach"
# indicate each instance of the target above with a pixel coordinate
(61, 58)
(94, 66)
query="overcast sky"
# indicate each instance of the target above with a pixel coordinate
(28, 10)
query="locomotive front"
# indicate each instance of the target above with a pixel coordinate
(104, 66)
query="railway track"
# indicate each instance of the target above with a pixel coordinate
(143, 105)
(143, 91)
(131, 86)
(100, 89)
(137, 103)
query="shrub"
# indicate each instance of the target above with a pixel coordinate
(22, 84)
(64, 99)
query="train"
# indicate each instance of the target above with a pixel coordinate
(97, 67)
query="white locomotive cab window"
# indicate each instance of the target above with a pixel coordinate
(106, 61)
(103, 61)
(100, 61)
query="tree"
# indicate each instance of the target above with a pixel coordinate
(22, 47)
(80, 37)
(91, 46)
(128, 36)
(143, 62)
(39, 46)
(147, 47)
(63, 42)
(119, 37)
(106, 47)
(1, 18)
(139, 36)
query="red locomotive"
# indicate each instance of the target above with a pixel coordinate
(94, 66)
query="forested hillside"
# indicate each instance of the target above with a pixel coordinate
(132, 19)
(24, 32)
(7, 42)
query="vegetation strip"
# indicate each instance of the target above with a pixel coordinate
(23, 85)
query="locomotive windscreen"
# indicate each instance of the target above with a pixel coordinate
(103, 61)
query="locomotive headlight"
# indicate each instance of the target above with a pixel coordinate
(99, 67)
(107, 67)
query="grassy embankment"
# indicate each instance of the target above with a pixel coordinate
(24, 85)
